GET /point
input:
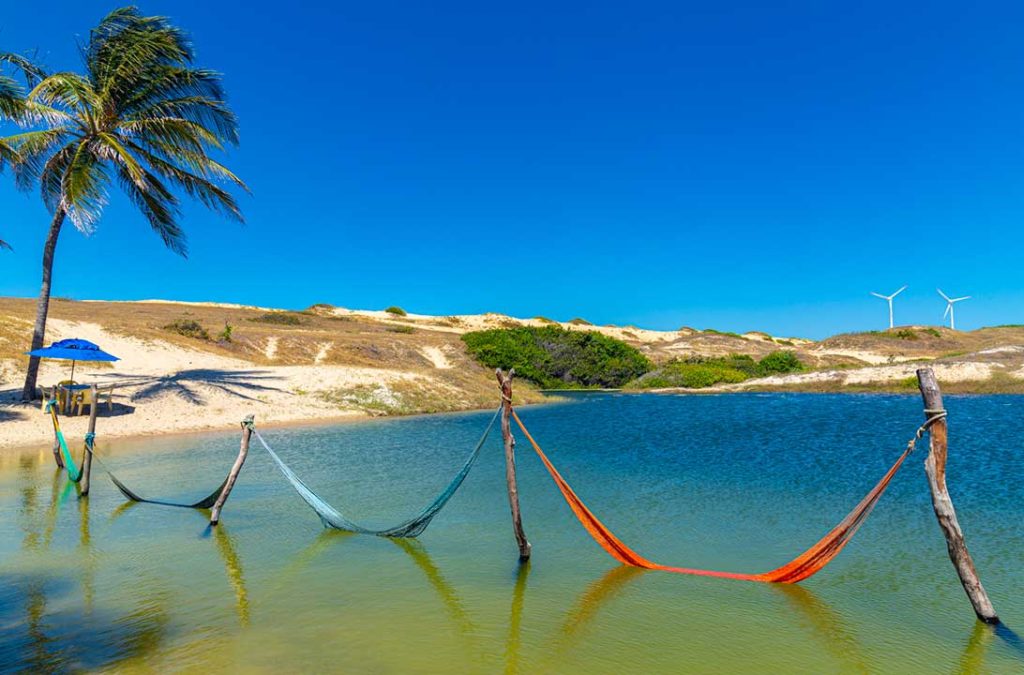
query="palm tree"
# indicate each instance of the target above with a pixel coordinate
(140, 114)
(12, 101)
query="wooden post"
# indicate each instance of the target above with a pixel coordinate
(87, 460)
(505, 381)
(935, 467)
(58, 460)
(243, 451)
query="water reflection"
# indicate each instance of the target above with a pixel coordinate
(827, 624)
(38, 631)
(515, 620)
(415, 550)
(233, 567)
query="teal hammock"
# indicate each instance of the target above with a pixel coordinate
(74, 471)
(204, 503)
(413, 527)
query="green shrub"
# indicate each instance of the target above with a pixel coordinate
(279, 318)
(188, 328)
(712, 331)
(580, 322)
(544, 319)
(401, 329)
(225, 335)
(397, 311)
(699, 372)
(553, 357)
(780, 362)
(931, 331)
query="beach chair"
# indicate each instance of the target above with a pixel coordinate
(84, 398)
(58, 392)
(48, 394)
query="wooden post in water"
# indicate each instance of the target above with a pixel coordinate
(243, 452)
(505, 382)
(935, 467)
(87, 460)
(58, 460)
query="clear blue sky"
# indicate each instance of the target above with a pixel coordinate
(706, 164)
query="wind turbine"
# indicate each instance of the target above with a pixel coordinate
(889, 298)
(949, 306)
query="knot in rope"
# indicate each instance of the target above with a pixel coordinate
(52, 403)
(249, 423)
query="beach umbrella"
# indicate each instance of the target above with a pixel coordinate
(73, 350)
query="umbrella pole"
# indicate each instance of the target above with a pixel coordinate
(67, 399)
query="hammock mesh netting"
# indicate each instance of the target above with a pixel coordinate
(413, 527)
(800, 568)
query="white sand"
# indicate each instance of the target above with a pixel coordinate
(163, 388)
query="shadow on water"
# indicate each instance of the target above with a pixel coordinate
(186, 384)
(980, 642)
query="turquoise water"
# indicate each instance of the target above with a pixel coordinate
(739, 483)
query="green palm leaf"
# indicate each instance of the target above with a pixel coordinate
(141, 112)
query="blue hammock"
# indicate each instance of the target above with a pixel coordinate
(413, 527)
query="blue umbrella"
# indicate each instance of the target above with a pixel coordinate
(73, 350)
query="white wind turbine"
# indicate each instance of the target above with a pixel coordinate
(889, 298)
(949, 307)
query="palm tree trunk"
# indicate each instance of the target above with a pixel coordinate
(28, 392)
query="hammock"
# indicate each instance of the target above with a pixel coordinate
(204, 503)
(800, 568)
(331, 517)
(74, 471)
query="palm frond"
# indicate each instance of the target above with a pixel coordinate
(70, 91)
(84, 187)
(27, 152)
(5, 245)
(12, 98)
(32, 72)
(199, 187)
(141, 114)
(160, 208)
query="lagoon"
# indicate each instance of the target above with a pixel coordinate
(731, 482)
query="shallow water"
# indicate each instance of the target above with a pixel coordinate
(738, 483)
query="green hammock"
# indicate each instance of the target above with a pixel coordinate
(74, 471)
(413, 527)
(204, 503)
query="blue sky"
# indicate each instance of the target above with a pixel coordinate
(724, 165)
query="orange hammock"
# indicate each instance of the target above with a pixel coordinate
(802, 567)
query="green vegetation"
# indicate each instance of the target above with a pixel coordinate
(544, 319)
(701, 372)
(904, 333)
(401, 329)
(188, 328)
(140, 114)
(580, 322)
(712, 331)
(553, 357)
(225, 335)
(778, 363)
(397, 311)
(278, 318)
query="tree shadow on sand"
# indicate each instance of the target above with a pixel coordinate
(188, 384)
(11, 414)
